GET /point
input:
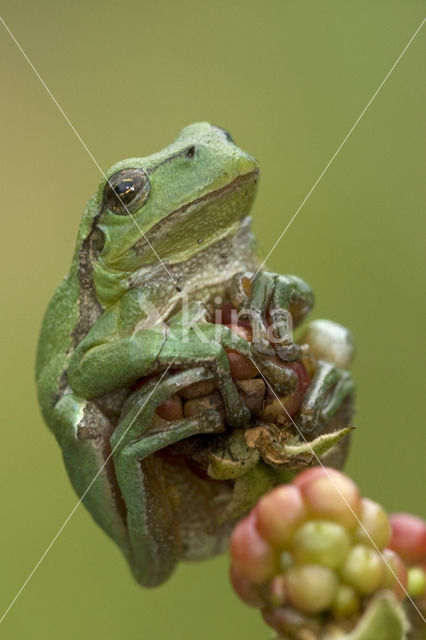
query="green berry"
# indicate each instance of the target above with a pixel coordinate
(346, 601)
(374, 529)
(416, 585)
(363, 569)
(321, 542)
(286, 560)
(311, 588)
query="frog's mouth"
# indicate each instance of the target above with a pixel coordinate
(199, 223)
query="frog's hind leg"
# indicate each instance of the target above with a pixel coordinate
(83, 432)
(191, 350)
(151, 520)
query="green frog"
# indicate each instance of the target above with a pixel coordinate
(162, 240)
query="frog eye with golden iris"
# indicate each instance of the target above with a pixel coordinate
(126, 191)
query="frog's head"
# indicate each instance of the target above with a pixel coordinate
(170, 205)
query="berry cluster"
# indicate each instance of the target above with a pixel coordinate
(314, 550)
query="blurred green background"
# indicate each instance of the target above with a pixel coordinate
(288, 79)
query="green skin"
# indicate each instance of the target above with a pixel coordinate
(100, 336)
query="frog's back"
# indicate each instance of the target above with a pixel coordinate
(56, 344)
(57, 337)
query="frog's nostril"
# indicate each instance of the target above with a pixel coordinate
(225, 133)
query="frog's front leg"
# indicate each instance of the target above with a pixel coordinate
(109, 358)
(332, 346)
(326, 392)
(152, 526)
(272, 304)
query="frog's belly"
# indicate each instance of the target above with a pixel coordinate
(198, 505)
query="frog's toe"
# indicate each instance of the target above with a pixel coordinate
(282, 379)
(239, 417)
(262, 347)
(289, 352)
(211, 422)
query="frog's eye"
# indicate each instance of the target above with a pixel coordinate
(126, 191)
(191, 151)
(225, 133)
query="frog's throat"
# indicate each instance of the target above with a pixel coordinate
(202, 277)
(205, 275)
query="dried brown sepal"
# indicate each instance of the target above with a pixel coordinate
(269, 441)
(278, 450)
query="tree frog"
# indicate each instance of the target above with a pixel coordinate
(160, 229)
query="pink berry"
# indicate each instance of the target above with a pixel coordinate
(307, 476)
(279, 513)
(245, 588)
(286, 620)
(395, 576)
(330, 494)
(408, 537)
(250, 553)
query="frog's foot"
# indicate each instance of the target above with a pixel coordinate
(327, 391)
(282, 379)
(154, 535)
(273, 304)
